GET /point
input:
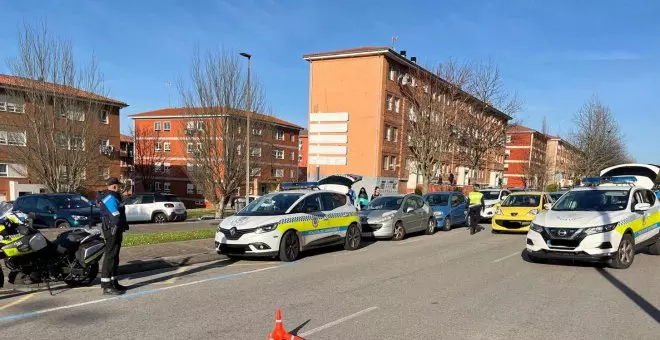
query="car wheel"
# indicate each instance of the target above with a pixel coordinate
(289, 247)
(625, 255)
(63, 225)
(353, 237)
(655, 248)
(399, 231)
(430, 228)
(447, 226)
(159, 218)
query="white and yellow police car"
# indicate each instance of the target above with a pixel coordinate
(606, 219)
(283, 224)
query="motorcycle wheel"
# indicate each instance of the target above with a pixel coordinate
(88, 279)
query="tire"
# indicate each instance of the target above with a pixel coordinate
(447, 226)
(625, 255)
(655, 248)
(353, 237)
(289, 247)
(159, 218)
(430, 227)
(91, 276)
(399, 231)
(63, 225)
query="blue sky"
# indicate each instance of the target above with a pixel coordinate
(555, 54)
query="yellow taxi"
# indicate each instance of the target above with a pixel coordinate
(517, 211)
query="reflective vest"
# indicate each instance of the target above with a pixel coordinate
(475, 197)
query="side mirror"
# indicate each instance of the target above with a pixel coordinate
(409, 210)
(642, 207)
(547, 206)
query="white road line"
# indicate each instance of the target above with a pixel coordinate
(506, 257)
(336, 322)
(350, 252)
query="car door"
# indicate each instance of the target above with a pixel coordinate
(652, 220)
(132, 205)
(458, 208)
(644, 231)
(146, 208)
(46, 211)
(28, 204)
(410, 218)
(313, 222)
(421, 212)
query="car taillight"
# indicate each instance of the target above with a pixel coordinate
(169, 205)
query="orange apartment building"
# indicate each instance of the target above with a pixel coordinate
(525, 154)
(358, 120)
(15, 178)
(561, 155)
(273, 158)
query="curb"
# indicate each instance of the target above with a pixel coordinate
(167, 262)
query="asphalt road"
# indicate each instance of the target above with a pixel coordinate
(447, 286)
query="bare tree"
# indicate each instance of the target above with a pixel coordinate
(59, 115)
(598, 136)
(149, 156)
(216, 104)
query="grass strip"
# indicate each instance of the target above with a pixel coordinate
(141, 239)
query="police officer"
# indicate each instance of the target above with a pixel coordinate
(113, 215)
(477, 205)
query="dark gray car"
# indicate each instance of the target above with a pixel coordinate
(395, 216)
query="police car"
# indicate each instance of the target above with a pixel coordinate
(608, 218)
(285, 223)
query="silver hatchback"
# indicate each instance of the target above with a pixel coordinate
(395, 216)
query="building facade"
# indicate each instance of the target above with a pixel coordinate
(561, 155)
(16, 105)
(525, 162)
(358, 120)
(126, 161)
(162, 140)
(303, 150)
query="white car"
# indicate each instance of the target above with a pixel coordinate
(492, 197)
(155, 207)
(607, 219)
(285, 223)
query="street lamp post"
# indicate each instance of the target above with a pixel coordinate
(247, 139)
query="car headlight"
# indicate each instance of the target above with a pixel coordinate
(600, 229)
(533, 212)
(438, 214)
(498, 211)
(266, 228)
(79, 218)
(380, 220)
(537, 228)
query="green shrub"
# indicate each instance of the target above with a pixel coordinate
(552, 187)
(418, 191)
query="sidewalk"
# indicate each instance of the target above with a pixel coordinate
(165, 255)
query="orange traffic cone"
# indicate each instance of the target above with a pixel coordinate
(279, 333)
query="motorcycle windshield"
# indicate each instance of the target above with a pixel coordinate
(5, 209)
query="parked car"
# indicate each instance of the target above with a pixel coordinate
(449, 208)
(155, 207)
(518, 210)
(397, 215)
(59, 210)
(491, 198)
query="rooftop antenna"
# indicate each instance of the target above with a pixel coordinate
(169, 93)
(394, 40)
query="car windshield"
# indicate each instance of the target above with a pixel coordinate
(273, 204)
(437, 199)
(385, 203)
(593, 200)
(71, 202)
(491, 194)
(556, 195)
(524, 200)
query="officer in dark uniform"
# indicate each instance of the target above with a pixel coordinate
(113, 215)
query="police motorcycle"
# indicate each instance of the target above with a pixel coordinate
(73, 258)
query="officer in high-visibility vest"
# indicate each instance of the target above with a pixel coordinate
(476, 198)
(476, 205)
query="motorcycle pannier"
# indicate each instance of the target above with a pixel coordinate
(37, 242)
(90, 251)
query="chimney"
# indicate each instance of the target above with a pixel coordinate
(413, 59)
(403, 53)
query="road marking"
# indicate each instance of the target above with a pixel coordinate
(350, 252)
(24, 298)
(506, 257)
(133, 295)
(336, 322)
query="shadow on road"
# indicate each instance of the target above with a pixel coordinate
(567, 262)
(646, 306)
(297, 330)
(208, 266)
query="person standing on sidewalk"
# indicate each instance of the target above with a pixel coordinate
(113, 215)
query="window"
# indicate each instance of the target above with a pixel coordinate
(167, 167)
(386, 162)
(104, 142)
(388, 133)
(190, 188)
(158, 167)
(508, 138)
(156, 188)
(293, 156)
(200, 125)
(279, 135)
(397, 105)
(392, 74)
(104, 116)
(411, 113)
(293, 138)
(3, 170)
(166, 126)
(158, 146)
(395, 134)
(12, 138)
(257, 132)
(200, 190)
(11, 104)
(255, 172)
(507, 153)
(279, 154)
(167, 146)
(389, 102)
(190, 167)
(189, 148)
(167, 186)
(104, 172)
(292, 173)
(76, 143)
(506, 166)
(392, 162)
(256, 152)
(156, 126)
(278, 172)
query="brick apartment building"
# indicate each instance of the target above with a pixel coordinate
(358, 120)
(303, 149)
(560, 155)
(15, 178)
(274, 159)
(525, 156)
(126, 160)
